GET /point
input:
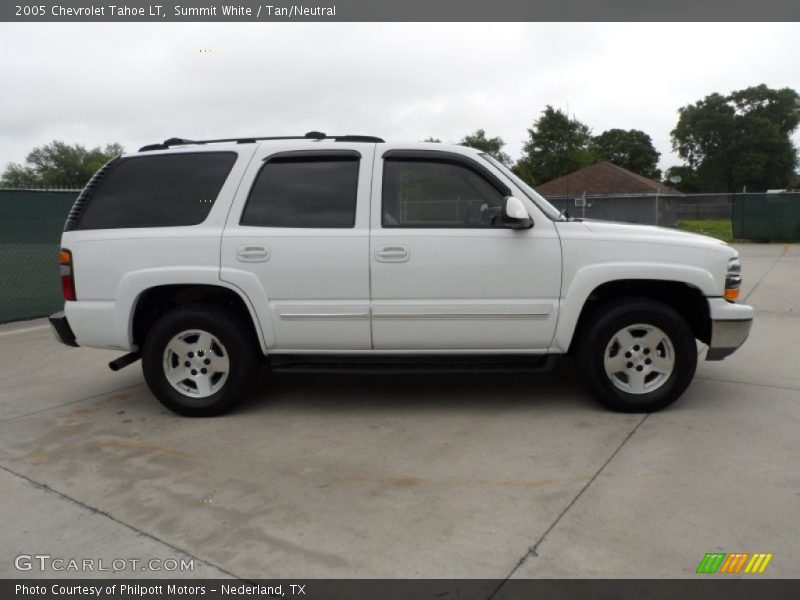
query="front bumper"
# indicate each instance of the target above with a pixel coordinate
(62, 330)
(730, 326)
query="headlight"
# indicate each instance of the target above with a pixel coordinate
(733, 280)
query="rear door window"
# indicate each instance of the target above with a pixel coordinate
(305, 191)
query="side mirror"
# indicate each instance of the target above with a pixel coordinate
(514, 215)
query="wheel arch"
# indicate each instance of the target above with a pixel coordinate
(686, 299)
(151, 303)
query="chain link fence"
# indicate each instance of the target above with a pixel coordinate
(757, 217)
(648, 209)
(701, 207)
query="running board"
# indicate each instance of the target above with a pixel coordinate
(404, 364)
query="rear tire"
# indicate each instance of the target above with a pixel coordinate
(638, 355)
(199, 360)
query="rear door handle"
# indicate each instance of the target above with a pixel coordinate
(391, 253)
(252, 253)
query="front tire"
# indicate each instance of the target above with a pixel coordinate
(199, 360)
(638, 355)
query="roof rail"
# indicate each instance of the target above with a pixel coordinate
(311, 135)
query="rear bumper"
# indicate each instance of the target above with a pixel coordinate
(62, 330)
(730, 326)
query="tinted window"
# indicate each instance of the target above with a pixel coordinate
(158, 191)
(304, 192)
(423, 193)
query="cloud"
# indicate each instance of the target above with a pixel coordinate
(141, 83)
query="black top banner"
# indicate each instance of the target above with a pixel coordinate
(400, 10)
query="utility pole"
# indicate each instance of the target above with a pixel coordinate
(658, 189)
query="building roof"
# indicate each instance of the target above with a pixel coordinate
(603, 178)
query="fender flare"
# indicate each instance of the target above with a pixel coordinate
(134, 284)
(576, 292)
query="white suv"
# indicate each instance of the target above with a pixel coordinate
(209, 259)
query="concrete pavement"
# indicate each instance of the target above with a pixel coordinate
(417, 476)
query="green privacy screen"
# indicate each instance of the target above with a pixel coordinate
(30, 234)
(766, 217)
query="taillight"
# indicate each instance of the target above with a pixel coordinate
(67, 275)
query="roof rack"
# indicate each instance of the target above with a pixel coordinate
(311, 135)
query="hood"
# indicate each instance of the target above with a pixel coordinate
(651, 234)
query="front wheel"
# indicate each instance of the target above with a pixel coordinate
(199, 360)
(637, 356)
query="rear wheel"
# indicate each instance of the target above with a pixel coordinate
(199, 360)
(637, 356)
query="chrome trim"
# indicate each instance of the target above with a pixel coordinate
(727, 336)
(463, 315)
(733, 281)
(322, 316)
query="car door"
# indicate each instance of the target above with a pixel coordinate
(445, 275)
(297, 242)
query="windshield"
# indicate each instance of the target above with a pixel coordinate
(547, 208)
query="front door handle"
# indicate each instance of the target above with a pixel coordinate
(391, 253)
(252, 253)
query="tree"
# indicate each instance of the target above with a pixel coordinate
(521, 170)
(740, 140)
(630, 149)
(684, 179)
(58, 165)
(557, 145)
(491, 146)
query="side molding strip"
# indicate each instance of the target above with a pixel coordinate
(322, 316)
(461, 315)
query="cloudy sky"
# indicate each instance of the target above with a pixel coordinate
(140, 83)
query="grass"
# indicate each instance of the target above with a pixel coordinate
(718, 228)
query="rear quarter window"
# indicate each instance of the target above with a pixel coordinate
(158, 191)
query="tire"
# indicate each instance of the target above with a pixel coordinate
(637, 355)
(221, 354)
